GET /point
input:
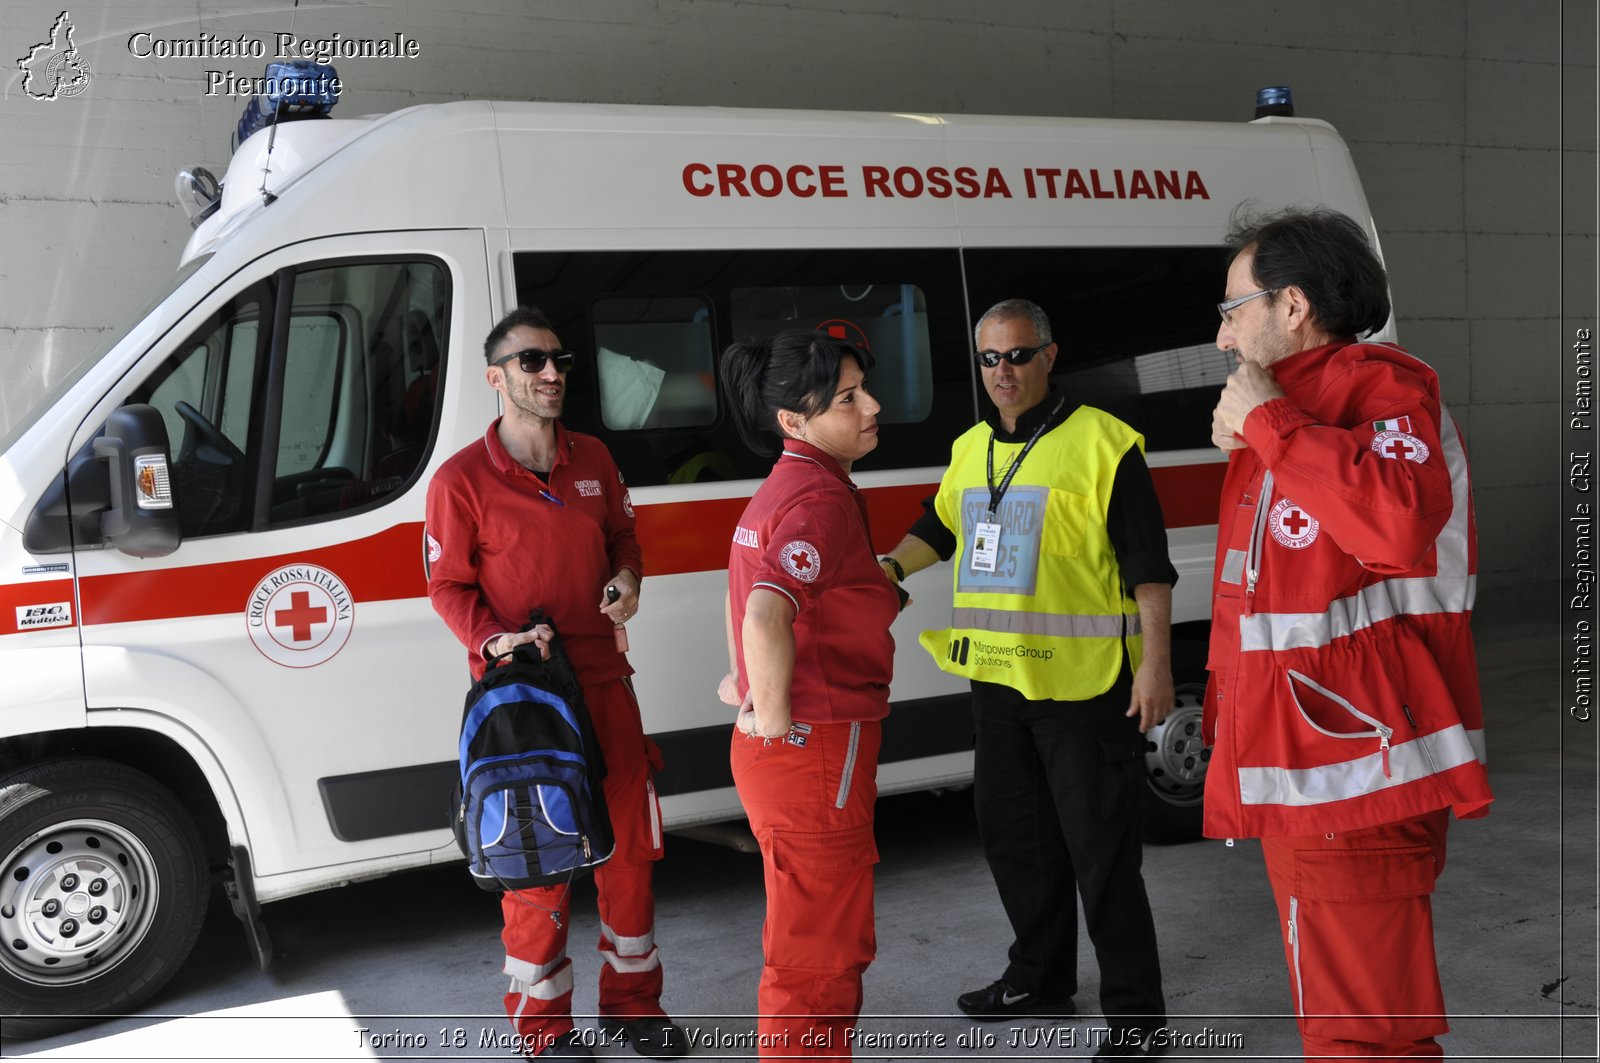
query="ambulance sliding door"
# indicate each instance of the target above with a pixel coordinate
(289, 637)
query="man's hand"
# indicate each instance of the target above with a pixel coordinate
(1152, 694)
(1248, 387)
(540, 635)
(728, 690)
(1222, 438)
(622, 610)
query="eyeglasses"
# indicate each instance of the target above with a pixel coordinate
(532, 360)
(1016, 355)
(1231, 305)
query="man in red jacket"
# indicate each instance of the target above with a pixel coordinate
(532, 516)
(1343, 704)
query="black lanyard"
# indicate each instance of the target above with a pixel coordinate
(997, 493)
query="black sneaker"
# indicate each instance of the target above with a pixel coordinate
(570, 1045)
(1127, 1048)
(655, 1036)
(1001, 1000)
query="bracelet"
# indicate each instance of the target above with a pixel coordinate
(766, 738)
(899, 570)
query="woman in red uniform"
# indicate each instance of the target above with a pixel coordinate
(809, 612)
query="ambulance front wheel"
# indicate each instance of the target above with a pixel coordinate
(103, 887)
(1175, 771)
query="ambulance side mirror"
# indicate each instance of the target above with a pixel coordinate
(141, 519)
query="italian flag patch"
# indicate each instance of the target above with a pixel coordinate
(1399, 424)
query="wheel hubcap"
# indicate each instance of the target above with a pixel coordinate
(74, 899)
(1175, 762)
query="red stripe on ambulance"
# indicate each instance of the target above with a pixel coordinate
(677, 537)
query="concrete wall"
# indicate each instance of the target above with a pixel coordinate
(1453, 111)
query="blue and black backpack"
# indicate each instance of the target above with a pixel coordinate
(531, 808)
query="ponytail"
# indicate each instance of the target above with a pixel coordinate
(795, 371)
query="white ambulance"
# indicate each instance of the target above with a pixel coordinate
(218, 663)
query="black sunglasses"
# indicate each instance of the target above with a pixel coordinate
(1016, 355)
(532, 360)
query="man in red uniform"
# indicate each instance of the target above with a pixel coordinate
(537, 516)
(1343, 704)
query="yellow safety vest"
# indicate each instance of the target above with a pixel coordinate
(1050, 621)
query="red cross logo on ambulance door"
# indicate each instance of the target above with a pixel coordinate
(299, 615)
(801, 560)
(1398, 445)
(843, 329)
(1292, 526)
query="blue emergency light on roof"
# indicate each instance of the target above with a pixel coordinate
(291, 91)
(1275, 100)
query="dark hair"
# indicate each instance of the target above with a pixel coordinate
(795, 371)
(522, 315)
(1323, 253)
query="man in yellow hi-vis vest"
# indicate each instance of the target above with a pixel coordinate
(1062, 609)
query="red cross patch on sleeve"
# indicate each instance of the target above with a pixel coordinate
(801, 560)
(1399, 445)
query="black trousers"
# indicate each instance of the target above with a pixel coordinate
(1059, 790)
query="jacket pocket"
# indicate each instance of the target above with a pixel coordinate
(1336, 716)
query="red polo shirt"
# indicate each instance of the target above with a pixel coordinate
(499, 543)
(804, 535)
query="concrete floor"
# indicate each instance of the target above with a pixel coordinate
(417, 956)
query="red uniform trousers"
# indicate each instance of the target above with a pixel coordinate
(1358, 935)
(811, 809)
(539, 1002)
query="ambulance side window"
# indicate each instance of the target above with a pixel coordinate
(342, 421)
(361, 372)
(1136, 328)
(204, 392)
(654, 357)
(676, 311)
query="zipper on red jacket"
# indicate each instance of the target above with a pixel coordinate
(1380, 731)
(1258, 535)
(1433, 765)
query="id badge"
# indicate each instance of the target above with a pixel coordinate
(985, 546)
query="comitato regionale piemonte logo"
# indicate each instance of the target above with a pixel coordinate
(55, 68)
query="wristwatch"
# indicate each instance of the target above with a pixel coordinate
(899, 570)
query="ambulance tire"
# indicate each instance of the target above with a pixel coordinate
(103, 887)
(1175, 771)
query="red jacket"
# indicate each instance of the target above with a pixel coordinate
(500, 542)
(1344, 684)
